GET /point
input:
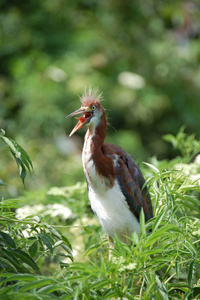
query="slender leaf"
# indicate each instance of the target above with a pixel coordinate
(7, 239)
(161, 232)
(50, 288)
(7, 254)
(33, 249)
(100, 284)
(66, 241)
(156, 170)
(6, 264)
(36, 284)
(25, 258)
(21, 277)
(46, 240)
(191, 274)
(20, 155)
(92, 249)
(158, 220)
(142, 223)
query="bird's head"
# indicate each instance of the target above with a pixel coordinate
(91, 110)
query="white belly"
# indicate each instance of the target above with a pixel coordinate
(113, 212)
(108, 203)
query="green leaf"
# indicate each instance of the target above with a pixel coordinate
(158, 220)
(66, 248)
(142, 223)
(8, 254)
(160, 233)
(170, 139)
(135, 238)
(189, 187)
(190, 247)
(20, 155)
(189, 296)
(6, 264)
(191, 274)
(162, 288)
(7, 239)
(14, 203)
(156, 170)
(46, 240)
(100, 284)
(49, 289)
(66, 241)
(25, 258)
(110, 294)
(58, 236)
(91, 249)
(36, 284)
(119, 246)
(54, 232)
(20, 277)
(88, 229)
(33, 249)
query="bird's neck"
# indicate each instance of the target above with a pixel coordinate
(93, 157)
(94, 139)
(96, 135)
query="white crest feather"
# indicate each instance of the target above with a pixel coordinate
(91, 94)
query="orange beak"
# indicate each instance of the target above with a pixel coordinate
(83, 119)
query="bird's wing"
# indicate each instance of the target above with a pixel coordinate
(130, 180)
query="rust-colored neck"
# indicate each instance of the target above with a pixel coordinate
(99, 132)
(93, 151)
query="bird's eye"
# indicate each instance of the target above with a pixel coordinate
(93, 107)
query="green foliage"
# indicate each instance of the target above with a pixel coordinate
(188, 146)
(25, 241)
(143, 55)
(20, 155)
(163, 263)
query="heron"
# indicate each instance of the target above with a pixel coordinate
(116, 186)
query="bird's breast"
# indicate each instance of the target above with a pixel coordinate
(94, 178)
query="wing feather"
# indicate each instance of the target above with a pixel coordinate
(130, 180)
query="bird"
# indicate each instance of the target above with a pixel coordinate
(116, 186)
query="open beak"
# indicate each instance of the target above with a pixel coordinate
(83, 119)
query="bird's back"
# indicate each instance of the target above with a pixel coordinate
(130, 180)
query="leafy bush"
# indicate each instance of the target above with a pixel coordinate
(161, 264)
(25, 243)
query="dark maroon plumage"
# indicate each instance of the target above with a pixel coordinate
(131, 181)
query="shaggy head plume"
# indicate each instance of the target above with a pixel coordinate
(91, 94)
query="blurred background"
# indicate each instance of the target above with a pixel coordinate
(143, 55)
